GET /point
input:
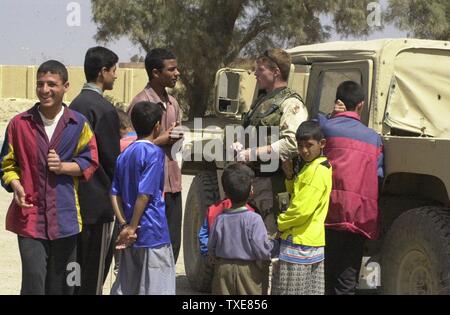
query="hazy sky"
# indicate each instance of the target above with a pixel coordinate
(32, 31)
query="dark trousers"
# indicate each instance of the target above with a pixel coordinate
(174, 218)
(343, 255)
(95, 252)
(48, 265)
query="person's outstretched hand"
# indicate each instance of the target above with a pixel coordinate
(169, 136)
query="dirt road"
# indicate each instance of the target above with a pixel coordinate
(10, 266)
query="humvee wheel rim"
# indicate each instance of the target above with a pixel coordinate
(415, 276)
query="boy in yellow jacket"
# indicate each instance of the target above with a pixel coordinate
(301, 261)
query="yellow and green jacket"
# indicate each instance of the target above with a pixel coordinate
(304, 220)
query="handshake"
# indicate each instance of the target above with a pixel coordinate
(243, 155)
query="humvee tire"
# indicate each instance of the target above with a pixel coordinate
(416, 253)
(204, 192)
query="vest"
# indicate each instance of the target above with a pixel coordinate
(267, 110)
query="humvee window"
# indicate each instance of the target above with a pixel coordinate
(328, 84)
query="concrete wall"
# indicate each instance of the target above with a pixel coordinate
(20, 82)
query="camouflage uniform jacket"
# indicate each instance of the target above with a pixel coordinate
(284, 108)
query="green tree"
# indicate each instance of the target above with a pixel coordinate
(428, 19)
(135, 58)
(208, 34)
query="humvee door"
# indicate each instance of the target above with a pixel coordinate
(298, 79)
(324, 79)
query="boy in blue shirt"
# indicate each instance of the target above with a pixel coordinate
(147, 263)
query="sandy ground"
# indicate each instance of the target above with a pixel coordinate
(12, 106)
(10, 272)
(10, 265)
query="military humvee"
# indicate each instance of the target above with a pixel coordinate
(408, 103)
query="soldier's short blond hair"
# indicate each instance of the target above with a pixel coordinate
(277, 58)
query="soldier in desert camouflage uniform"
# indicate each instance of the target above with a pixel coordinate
(281, 107)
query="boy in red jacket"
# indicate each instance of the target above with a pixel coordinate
(355, 152)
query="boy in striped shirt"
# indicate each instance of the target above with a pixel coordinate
(48, 150)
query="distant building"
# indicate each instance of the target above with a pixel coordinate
(132, 65)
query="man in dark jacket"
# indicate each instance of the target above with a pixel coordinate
(94, 244)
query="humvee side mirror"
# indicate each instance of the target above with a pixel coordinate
(228, 92)
(234, 92)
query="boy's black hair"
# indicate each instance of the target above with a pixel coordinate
(308, 130)
(351, 93)
(155, 60)
(124, 119)
(237, 182)
(96, 59)
(144, 117)
(54, 67)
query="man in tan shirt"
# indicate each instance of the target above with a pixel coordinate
(162, 69)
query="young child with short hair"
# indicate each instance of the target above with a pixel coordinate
(127, 133)
(300, 269)
(147, 263)
(239, 239)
